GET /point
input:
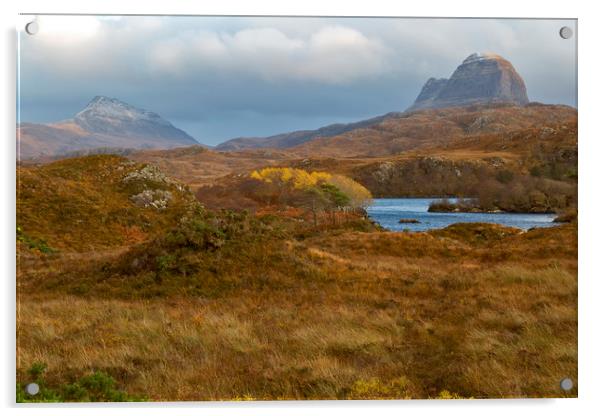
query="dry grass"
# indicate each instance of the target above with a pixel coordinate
(84, 204)
(353, 315)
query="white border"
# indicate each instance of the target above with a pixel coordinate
(590, 201)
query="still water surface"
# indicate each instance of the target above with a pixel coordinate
(388, 211)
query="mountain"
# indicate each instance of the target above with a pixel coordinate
(295, 138)
(480, 79)
(110, 116)
(104, 123)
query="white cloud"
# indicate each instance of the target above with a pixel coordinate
(340, 52)
(333, 54)
(68, 28)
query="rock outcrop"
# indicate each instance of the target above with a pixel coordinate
(480, 79)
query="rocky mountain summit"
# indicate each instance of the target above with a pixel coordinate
(105, 123)
(480, 79)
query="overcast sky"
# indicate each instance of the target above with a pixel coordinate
(219, 78)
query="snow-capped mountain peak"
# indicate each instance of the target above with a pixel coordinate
(106, 108)
(110, 116)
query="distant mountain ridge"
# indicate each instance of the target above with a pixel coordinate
(104, 123)
(435, 127)
(295, 138)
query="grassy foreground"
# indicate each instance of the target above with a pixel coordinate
(359, 315)
(224, 306)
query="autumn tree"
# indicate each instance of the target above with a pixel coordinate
(358, 196)
(315, 191)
